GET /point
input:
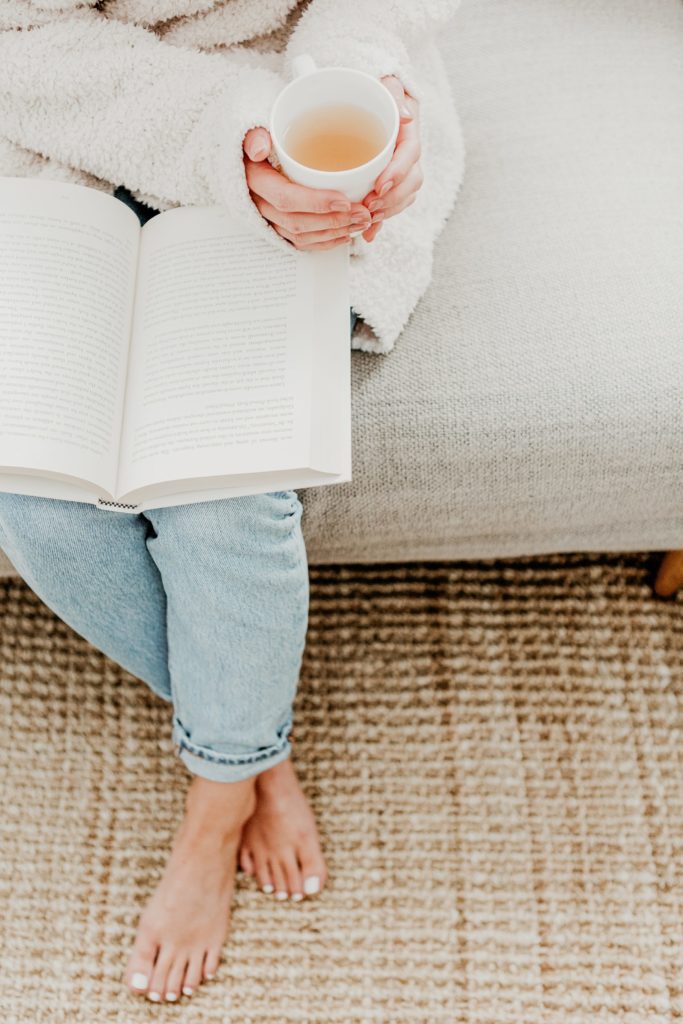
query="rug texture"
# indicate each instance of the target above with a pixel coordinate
(495, 755)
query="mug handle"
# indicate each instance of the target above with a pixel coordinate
(303, 65)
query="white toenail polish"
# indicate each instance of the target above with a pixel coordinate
(139, 981)
(209, 977)
(280, 895)
(171, 997)
(187, 991)
(312, 885)
(268, 888)
(297, 896)
(155, 997)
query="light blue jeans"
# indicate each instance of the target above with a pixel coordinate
(207, 603)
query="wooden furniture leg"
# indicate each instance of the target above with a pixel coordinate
(670, 575)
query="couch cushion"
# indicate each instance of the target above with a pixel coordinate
(534, 402)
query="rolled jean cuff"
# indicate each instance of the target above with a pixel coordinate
(218, 767)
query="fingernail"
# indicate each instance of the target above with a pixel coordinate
(139, 980)
(385, 188)
(259, 152)
(280, 895)
(312, 885)
(154, 996)
(374, 205)
(359, 218)
(187, 991)
(171, 997)
(297, 897)
(340, 206)
(404, 112)
(267, 888)
(377, 217)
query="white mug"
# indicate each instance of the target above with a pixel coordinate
(315, 87)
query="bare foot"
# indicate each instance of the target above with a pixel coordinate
(280, 844)
(183, 927)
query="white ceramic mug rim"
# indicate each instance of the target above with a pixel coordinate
(322, 71)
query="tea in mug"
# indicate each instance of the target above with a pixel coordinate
(335, 137)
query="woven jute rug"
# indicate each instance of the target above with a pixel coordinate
(495, 755)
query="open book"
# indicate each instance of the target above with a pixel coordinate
(183, 361)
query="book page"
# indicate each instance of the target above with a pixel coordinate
(68, 259)
(220, 369)
(329, 432)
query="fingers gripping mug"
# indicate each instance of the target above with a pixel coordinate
(334, 128)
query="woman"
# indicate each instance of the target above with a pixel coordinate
(121, 92)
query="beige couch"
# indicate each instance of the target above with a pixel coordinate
(534, 402)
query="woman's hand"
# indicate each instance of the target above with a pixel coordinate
(398, 184)
(313, 219)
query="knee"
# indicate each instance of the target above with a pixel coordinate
(248, 521)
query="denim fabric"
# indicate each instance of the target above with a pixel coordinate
(207, 603)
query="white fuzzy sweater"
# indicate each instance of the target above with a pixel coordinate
(157, 95)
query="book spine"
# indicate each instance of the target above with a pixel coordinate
(118, 506)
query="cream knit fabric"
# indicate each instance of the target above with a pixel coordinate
(157, 95)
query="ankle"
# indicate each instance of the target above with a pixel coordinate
(277, 781)
(219, 808)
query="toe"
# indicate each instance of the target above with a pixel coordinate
(211, 960)
(279, 880)
(313, 869)
(138, 982)
(263, 875)
(295, 882)
(158, 982)
(141, 962)
(175, 979)
(193, 974)
(246, 861)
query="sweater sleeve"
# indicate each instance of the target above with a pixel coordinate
(113, 100)
(370, 35)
